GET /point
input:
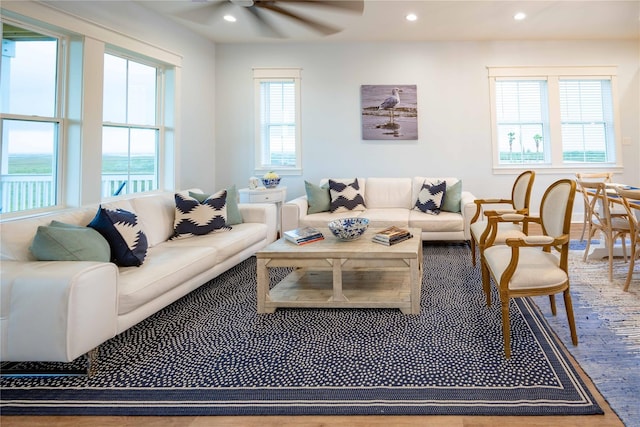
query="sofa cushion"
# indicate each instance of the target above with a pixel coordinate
(452, 196)
(318, 197)
(443, 222)
(346, 195)
(229, 244)
(194, 218)
(386, 217)
(124, 233)
(388, 193)
(167, 266)
(60, 241)
(233, 212)
(430, 197)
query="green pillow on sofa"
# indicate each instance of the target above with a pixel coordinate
(318, 197)
(452, 198)
(68, 242)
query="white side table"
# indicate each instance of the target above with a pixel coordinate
(276, 195)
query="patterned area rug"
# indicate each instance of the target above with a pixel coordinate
(211, 354)
(608, 323)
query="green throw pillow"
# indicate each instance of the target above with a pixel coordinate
(68, 242)
(452, 198)
(233, 212)
(318, 197)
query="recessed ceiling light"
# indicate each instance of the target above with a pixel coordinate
(519, 16)
(229, 18)
(411, 17)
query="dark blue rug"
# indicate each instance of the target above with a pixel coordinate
(211, 354)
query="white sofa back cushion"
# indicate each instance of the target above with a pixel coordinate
(156, 214)
(388, 193)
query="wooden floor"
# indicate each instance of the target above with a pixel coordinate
(609, 419)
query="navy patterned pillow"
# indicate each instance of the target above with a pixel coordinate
(123, 232)
(194, 218)
(431, 197)
(346, 196)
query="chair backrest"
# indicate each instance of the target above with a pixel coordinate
(596, 177)
(633, 212)
(521, 192)
(596, 202)
(556, 208)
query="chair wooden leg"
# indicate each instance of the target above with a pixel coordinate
(552, 302)
(589, 237)
(572, 323)
(486, 282)
(632, 261)
(506, 327)
(473, 251)
(610, 242)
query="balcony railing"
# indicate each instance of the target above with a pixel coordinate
(23, 192)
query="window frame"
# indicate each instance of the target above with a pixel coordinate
(261, 75)
(159, 120)
(58, 120)
(553, 75)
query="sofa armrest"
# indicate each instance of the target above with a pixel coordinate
(292, 211)
(264, 213)
(468, 210)
(57, 310)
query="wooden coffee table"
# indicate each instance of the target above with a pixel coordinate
(343, 274)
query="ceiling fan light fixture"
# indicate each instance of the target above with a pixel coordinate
(229, 18)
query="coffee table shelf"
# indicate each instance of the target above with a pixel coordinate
(336, 274)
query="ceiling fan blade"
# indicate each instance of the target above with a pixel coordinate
(318, 26)
(356, 6)
(204, 13)
(266, 28)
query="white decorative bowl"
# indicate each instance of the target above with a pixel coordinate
(271, 182)
(348, 228)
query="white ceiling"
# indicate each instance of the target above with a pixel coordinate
(384, 20)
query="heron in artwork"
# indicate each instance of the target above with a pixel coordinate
(391, 102)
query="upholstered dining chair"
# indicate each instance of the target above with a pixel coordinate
(533, 265)
(612, 225)
(595, 177)
(631, 202)
(518, 203)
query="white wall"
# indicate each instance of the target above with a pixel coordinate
(453, 107)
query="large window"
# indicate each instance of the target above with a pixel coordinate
(30, 119)
(277, 120)
(130, 133)
(554, 117)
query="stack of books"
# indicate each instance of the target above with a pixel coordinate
(391, 235)
(303, 235)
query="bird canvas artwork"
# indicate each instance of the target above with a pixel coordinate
(389, 112)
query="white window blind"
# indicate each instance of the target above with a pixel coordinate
(587, 120)
(277, 98)
(521, 120)
(278, 122)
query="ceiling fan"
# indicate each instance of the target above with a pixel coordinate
(208, 10)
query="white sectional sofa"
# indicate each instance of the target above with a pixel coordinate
(60, 310)
(391, 201)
